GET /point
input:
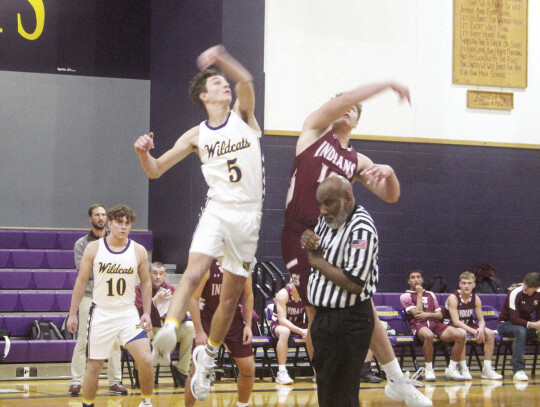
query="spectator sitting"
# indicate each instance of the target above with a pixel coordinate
(161, 296)
(425, 318)
(515, 320)
(289, 316)
(459, 308)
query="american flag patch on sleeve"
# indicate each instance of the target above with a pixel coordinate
(358, 244)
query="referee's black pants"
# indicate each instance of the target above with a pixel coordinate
(341, 339)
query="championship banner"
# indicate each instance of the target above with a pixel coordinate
(109, 38)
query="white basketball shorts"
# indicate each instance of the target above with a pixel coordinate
(230, 231)
(107, 326)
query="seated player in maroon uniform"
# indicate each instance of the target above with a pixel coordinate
(289, 316)
(425, 318)
(203, 305)
(458, 311)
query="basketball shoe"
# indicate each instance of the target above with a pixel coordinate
(163, 344)
(403, 390)
(201, 380)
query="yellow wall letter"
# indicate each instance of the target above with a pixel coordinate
(40, 20)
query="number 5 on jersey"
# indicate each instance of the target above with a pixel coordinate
(236, 173)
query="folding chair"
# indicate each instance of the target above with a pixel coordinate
(264, 341)
(402, 339)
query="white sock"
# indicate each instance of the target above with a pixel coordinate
(429, 365)
(211, 349)
(487, 364)
(240, 404)
(452, 364)
(462, 364)
(282, 368)
(392, 370)
(147, 400)
(207, 359)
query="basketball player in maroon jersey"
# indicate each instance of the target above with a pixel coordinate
(425, 318)
(289, 316)
(323, 149)
(203, 305)
(458, 311)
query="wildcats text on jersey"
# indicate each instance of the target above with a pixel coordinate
(110, 268)
(328, 151)
(222, 148)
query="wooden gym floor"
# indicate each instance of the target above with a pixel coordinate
(480, 393)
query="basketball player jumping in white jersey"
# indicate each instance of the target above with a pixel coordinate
(228, 146)
(115, 260)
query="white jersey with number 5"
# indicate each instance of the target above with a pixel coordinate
(114, 276)
(232, 161)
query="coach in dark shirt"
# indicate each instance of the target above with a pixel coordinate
(515, 320)
(342, 252)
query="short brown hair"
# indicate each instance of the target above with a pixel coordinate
(95, 206)
(532, 280)
(467, 275)
(119, 211)
(157, 264)
(198, 85)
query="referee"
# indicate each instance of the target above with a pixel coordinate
(342, 252)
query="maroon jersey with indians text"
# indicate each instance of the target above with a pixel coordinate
(310, 168)
(465, 309)
(408, 301)
(209, 300)
(295, 310)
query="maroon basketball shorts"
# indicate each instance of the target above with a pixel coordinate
(436, 327)
(233, 339)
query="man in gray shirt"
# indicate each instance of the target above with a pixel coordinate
(97, 216)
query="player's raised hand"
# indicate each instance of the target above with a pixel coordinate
(209, 57)
(402, 91)
(144, 143)
(376, 173)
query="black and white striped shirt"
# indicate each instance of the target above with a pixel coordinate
(353, 247)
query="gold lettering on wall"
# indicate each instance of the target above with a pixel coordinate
(490, 42)
(479, 99)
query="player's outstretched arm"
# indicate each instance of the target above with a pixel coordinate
(155, 167)
(379, 179)
(318, 122)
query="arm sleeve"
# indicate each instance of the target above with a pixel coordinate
(406, 302)
(362, 247)
(513, 304)
(78, 251)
